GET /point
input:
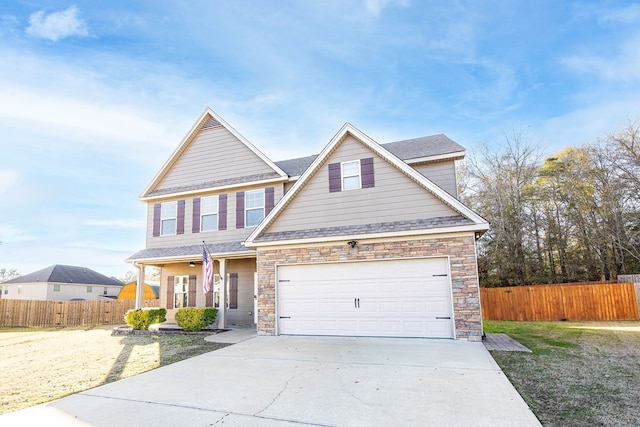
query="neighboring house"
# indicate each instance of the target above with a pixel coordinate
(128, 291)
(62, 283)
(363, 239)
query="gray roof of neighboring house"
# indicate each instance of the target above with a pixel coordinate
(381, 227)
(408, 149)
(189, 251)
(67, 274)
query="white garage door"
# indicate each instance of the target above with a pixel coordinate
(395, 298)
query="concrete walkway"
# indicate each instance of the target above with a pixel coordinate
(304, 381)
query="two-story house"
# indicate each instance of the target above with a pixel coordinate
(363, 239)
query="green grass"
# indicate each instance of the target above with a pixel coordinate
(578, 374)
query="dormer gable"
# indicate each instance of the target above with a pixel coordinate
(212, 155)
(355, 183)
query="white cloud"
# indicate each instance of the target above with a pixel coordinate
(625, 15)
(9, 179)
(116, 223)
(622, 64)
(12, 234)
(57, 25)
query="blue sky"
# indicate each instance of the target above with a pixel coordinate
(95, 96)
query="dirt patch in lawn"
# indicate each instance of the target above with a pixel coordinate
(39, 365)
(579, 374)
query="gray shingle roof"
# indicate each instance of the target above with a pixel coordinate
(408, 149)
(67, 274)
(212, 184)
(381, 227)
(189, 251)
(426, 146)
(296, 167)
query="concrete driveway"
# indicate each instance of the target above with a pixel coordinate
(294, 381)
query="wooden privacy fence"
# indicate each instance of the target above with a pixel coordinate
(65, 313)
(595, 301)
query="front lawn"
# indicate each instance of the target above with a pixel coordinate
(42, 364)
(579, 374)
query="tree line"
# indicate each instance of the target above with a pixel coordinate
(574, 216)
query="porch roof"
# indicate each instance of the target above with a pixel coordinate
(190, 252)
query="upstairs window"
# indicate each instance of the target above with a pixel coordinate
(253, 207)
(209, 213)
(351, 175)
(168, 218)
(350, 172)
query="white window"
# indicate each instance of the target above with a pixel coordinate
(56, 288)
(89, 289)
(168, 218)
(253, 207)
(181, 292)
(209, 213)
(104, 292)
(19, 289)
(216, 290)
(350, 175)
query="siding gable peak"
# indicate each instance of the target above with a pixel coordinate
(348, 130)
(209, 120)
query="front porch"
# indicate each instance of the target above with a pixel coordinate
(234, 288)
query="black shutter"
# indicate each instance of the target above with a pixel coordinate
(192, 291)
(157, 212)
(233, 290)
(195, 226)
(366, 169)
(335, 178)
(222, 212)
(170, 288)
(180, 225)
(268, 200)
(240, 209)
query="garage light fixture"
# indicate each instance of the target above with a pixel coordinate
(352, 243)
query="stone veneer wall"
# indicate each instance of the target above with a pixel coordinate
(460, 249)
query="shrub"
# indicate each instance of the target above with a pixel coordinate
(195, 318)
(142, 318)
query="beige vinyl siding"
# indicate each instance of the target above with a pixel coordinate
(214, 154)
(443, 174)
(395, 197)
(231, 234)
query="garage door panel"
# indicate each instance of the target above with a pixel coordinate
(379, 298)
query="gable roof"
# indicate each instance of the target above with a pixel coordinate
(208, 119)
(434, 147)
(474, 221)
(67, 274)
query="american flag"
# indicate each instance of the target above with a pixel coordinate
(207, 271)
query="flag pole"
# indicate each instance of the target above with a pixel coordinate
(213, 264)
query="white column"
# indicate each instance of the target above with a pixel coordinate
(223, 294)
(140, 287)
